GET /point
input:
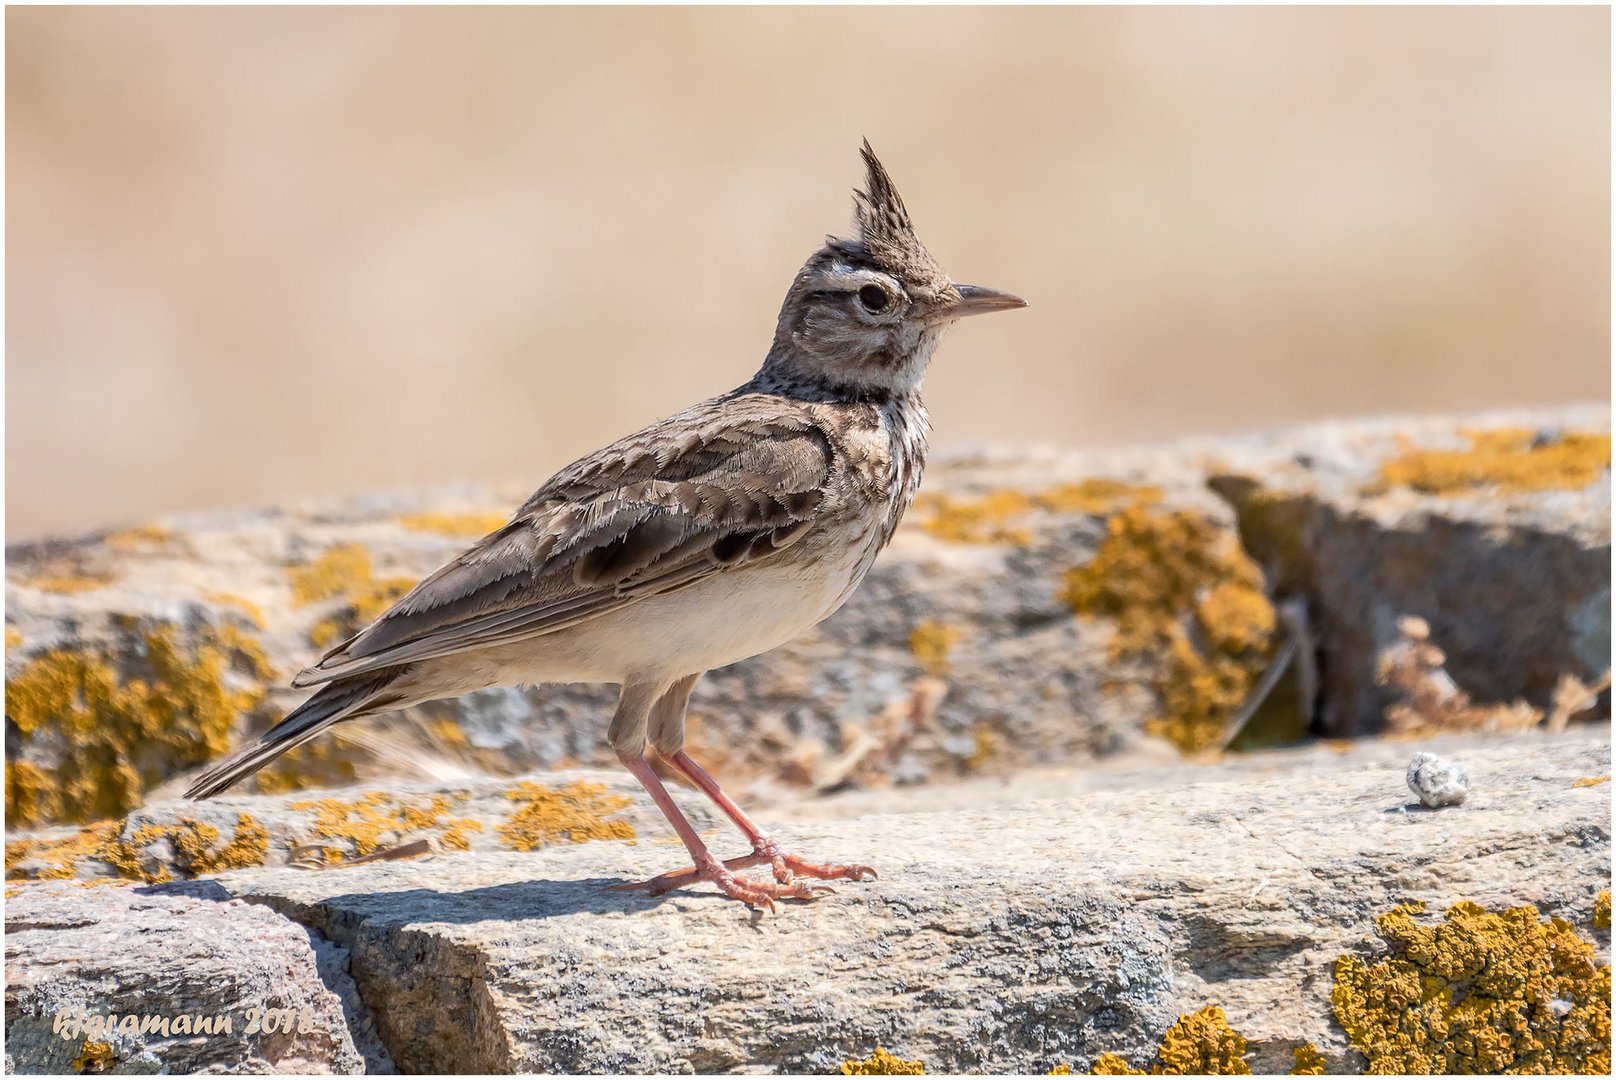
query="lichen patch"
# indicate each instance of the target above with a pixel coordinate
(572, 814)
(1187, 598)
(1504, 459)
(1479, 992)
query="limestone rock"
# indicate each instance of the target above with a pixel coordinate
(176, 962)
(1070, 605)
(1016, 926)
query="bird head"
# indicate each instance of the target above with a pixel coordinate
(863, 315)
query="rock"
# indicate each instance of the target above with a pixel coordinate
(1437, 782)
(1038, 606)
(217, 984)
(1393, 518)
(1015, 927)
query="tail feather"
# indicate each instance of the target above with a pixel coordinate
(344, 700)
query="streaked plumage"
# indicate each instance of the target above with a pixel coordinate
(707, 537)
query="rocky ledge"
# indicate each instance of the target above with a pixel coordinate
(1037, 606)
(1068, 919)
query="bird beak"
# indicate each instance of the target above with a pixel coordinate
(975, 300)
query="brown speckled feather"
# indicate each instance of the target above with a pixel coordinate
(725, 484)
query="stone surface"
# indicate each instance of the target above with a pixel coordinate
(1018, 924)
(960, 653)
(1438, 782)
(76, 955)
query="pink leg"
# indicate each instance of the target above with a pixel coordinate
(764, 847)
(707, 868)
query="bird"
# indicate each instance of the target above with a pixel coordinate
(708, 537)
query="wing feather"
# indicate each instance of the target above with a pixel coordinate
(720, 486)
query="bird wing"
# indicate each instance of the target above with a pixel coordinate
(722, 485)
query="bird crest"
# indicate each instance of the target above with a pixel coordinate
(884, 227)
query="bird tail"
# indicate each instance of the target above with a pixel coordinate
(347, 699)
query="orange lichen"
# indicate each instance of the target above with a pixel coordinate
(1480, 992)
(1590, 781)
(1602, 910)
(1184, 594)
(882, 1063)
(464, 524)
(572, 814)
(1508, 459)
(931, 642)
(13, 639)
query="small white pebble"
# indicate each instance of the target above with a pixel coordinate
(1438, 782)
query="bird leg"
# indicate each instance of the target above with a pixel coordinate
(787, 867)
(707, 868)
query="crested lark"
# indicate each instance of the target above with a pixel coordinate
(706, 538)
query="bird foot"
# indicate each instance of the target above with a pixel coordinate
(787, 869)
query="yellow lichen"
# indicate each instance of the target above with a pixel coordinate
(1309, 1062)
(931, 642)
(94, 1057)
(31, 794)
(1480, 992)
(318, 762)
(1509, 459)
(193, 849)
(573, 814)
(1590, 781)
(975, 521)
(1098, 495)
(250, 609)
(1602, 910)
(986, 745)
(882, 1063)
(70, 584)
(139, 536)
(1060, 1070)
(335, 573)
(994, 518)
(362, 826)
(1185, 595)
(1202, 1043)
(344, 573)
(13, 639)
(60, 856)
(118, 724)
(466, 524)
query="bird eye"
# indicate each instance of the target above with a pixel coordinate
(874, 298)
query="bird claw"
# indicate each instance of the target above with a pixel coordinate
(786, 886)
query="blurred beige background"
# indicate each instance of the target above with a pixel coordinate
(263, 254)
